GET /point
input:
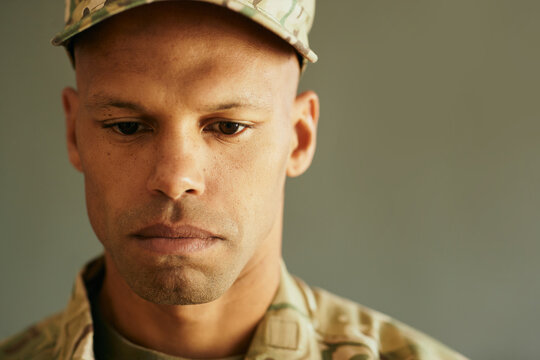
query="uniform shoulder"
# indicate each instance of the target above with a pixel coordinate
(37, 342)
(342, 322)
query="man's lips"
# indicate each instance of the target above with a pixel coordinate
(174, 232)
(176, 240)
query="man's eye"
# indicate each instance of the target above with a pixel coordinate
(126, 128)
(227, 127)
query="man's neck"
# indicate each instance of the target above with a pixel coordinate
(217, 329)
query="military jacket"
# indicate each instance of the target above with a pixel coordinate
(301, 323)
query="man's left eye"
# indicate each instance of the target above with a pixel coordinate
(227, 127)
(126, 127)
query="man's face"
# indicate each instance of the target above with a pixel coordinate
(183, 125)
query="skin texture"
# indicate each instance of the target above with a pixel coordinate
(149, 126)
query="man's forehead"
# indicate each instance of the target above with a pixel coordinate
(217, 57)
(204, 88)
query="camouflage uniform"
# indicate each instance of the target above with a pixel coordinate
(301, 323)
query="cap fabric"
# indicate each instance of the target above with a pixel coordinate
(289, 19)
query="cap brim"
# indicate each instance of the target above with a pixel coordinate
(238, 6)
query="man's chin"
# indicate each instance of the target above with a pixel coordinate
(175, 288)
(174, 281)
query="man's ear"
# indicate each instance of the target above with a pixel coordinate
(305, 119)
(70, 102)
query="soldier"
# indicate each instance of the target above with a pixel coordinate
(185, 124)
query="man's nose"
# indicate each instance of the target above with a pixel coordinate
(177, 168)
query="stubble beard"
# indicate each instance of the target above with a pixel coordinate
(173, 282)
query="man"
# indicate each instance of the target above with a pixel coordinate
(185, 123)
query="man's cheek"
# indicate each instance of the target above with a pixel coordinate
(262, 182)
(97, 209)
(105, 194)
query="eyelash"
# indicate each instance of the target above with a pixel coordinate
(114, 127)
(212, 127)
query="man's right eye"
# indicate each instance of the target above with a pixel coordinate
(126, 127)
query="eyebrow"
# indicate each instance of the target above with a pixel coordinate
(104, 101)
(235, 104)
(101, 100)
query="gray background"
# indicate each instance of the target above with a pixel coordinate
(422, 202)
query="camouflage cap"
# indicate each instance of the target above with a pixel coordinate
(289, 19)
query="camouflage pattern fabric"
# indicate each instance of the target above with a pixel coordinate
(289, 19)
(301, 323)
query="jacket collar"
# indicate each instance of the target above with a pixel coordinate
(75, 340)
(287, 330)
